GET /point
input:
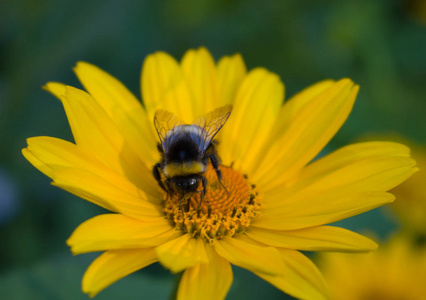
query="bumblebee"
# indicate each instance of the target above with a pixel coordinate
(186, 150)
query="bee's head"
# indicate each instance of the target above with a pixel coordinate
(185, 184)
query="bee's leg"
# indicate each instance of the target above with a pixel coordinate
(157, 176)
(203, 192)
(215, 164)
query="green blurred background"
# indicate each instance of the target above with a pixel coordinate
(379, 44)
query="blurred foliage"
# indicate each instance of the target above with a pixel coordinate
(380, 44)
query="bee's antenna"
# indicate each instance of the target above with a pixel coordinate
(221, 183)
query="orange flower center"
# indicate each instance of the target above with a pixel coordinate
(228, 207)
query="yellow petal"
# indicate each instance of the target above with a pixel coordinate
(200, 72)
(51, 155)
(256, 106)
(38, 161)
(55, 88)
(206, 281)
(340, 191)
(249, 256)
(371, 174)
(115, 231)
(321, 238)
(110, 93)
(324, 210)
(231, 71)
(113, 265)
(304, 137)
(92, 129)
(182, 253)
(299, 277)
(122, 107)
(95, 133)
(295, 104)
(91, 187)
(164, 87)
(55, 154)
(350, 154)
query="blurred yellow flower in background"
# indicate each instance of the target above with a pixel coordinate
(277, 204)
(411, 205)
(397, 270)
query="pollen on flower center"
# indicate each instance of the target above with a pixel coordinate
(222, 212)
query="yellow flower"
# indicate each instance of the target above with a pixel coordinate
(411, 195)
(397, 270)
(277, 204)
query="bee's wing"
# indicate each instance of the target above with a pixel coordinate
(164, 122)
(212, 123)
